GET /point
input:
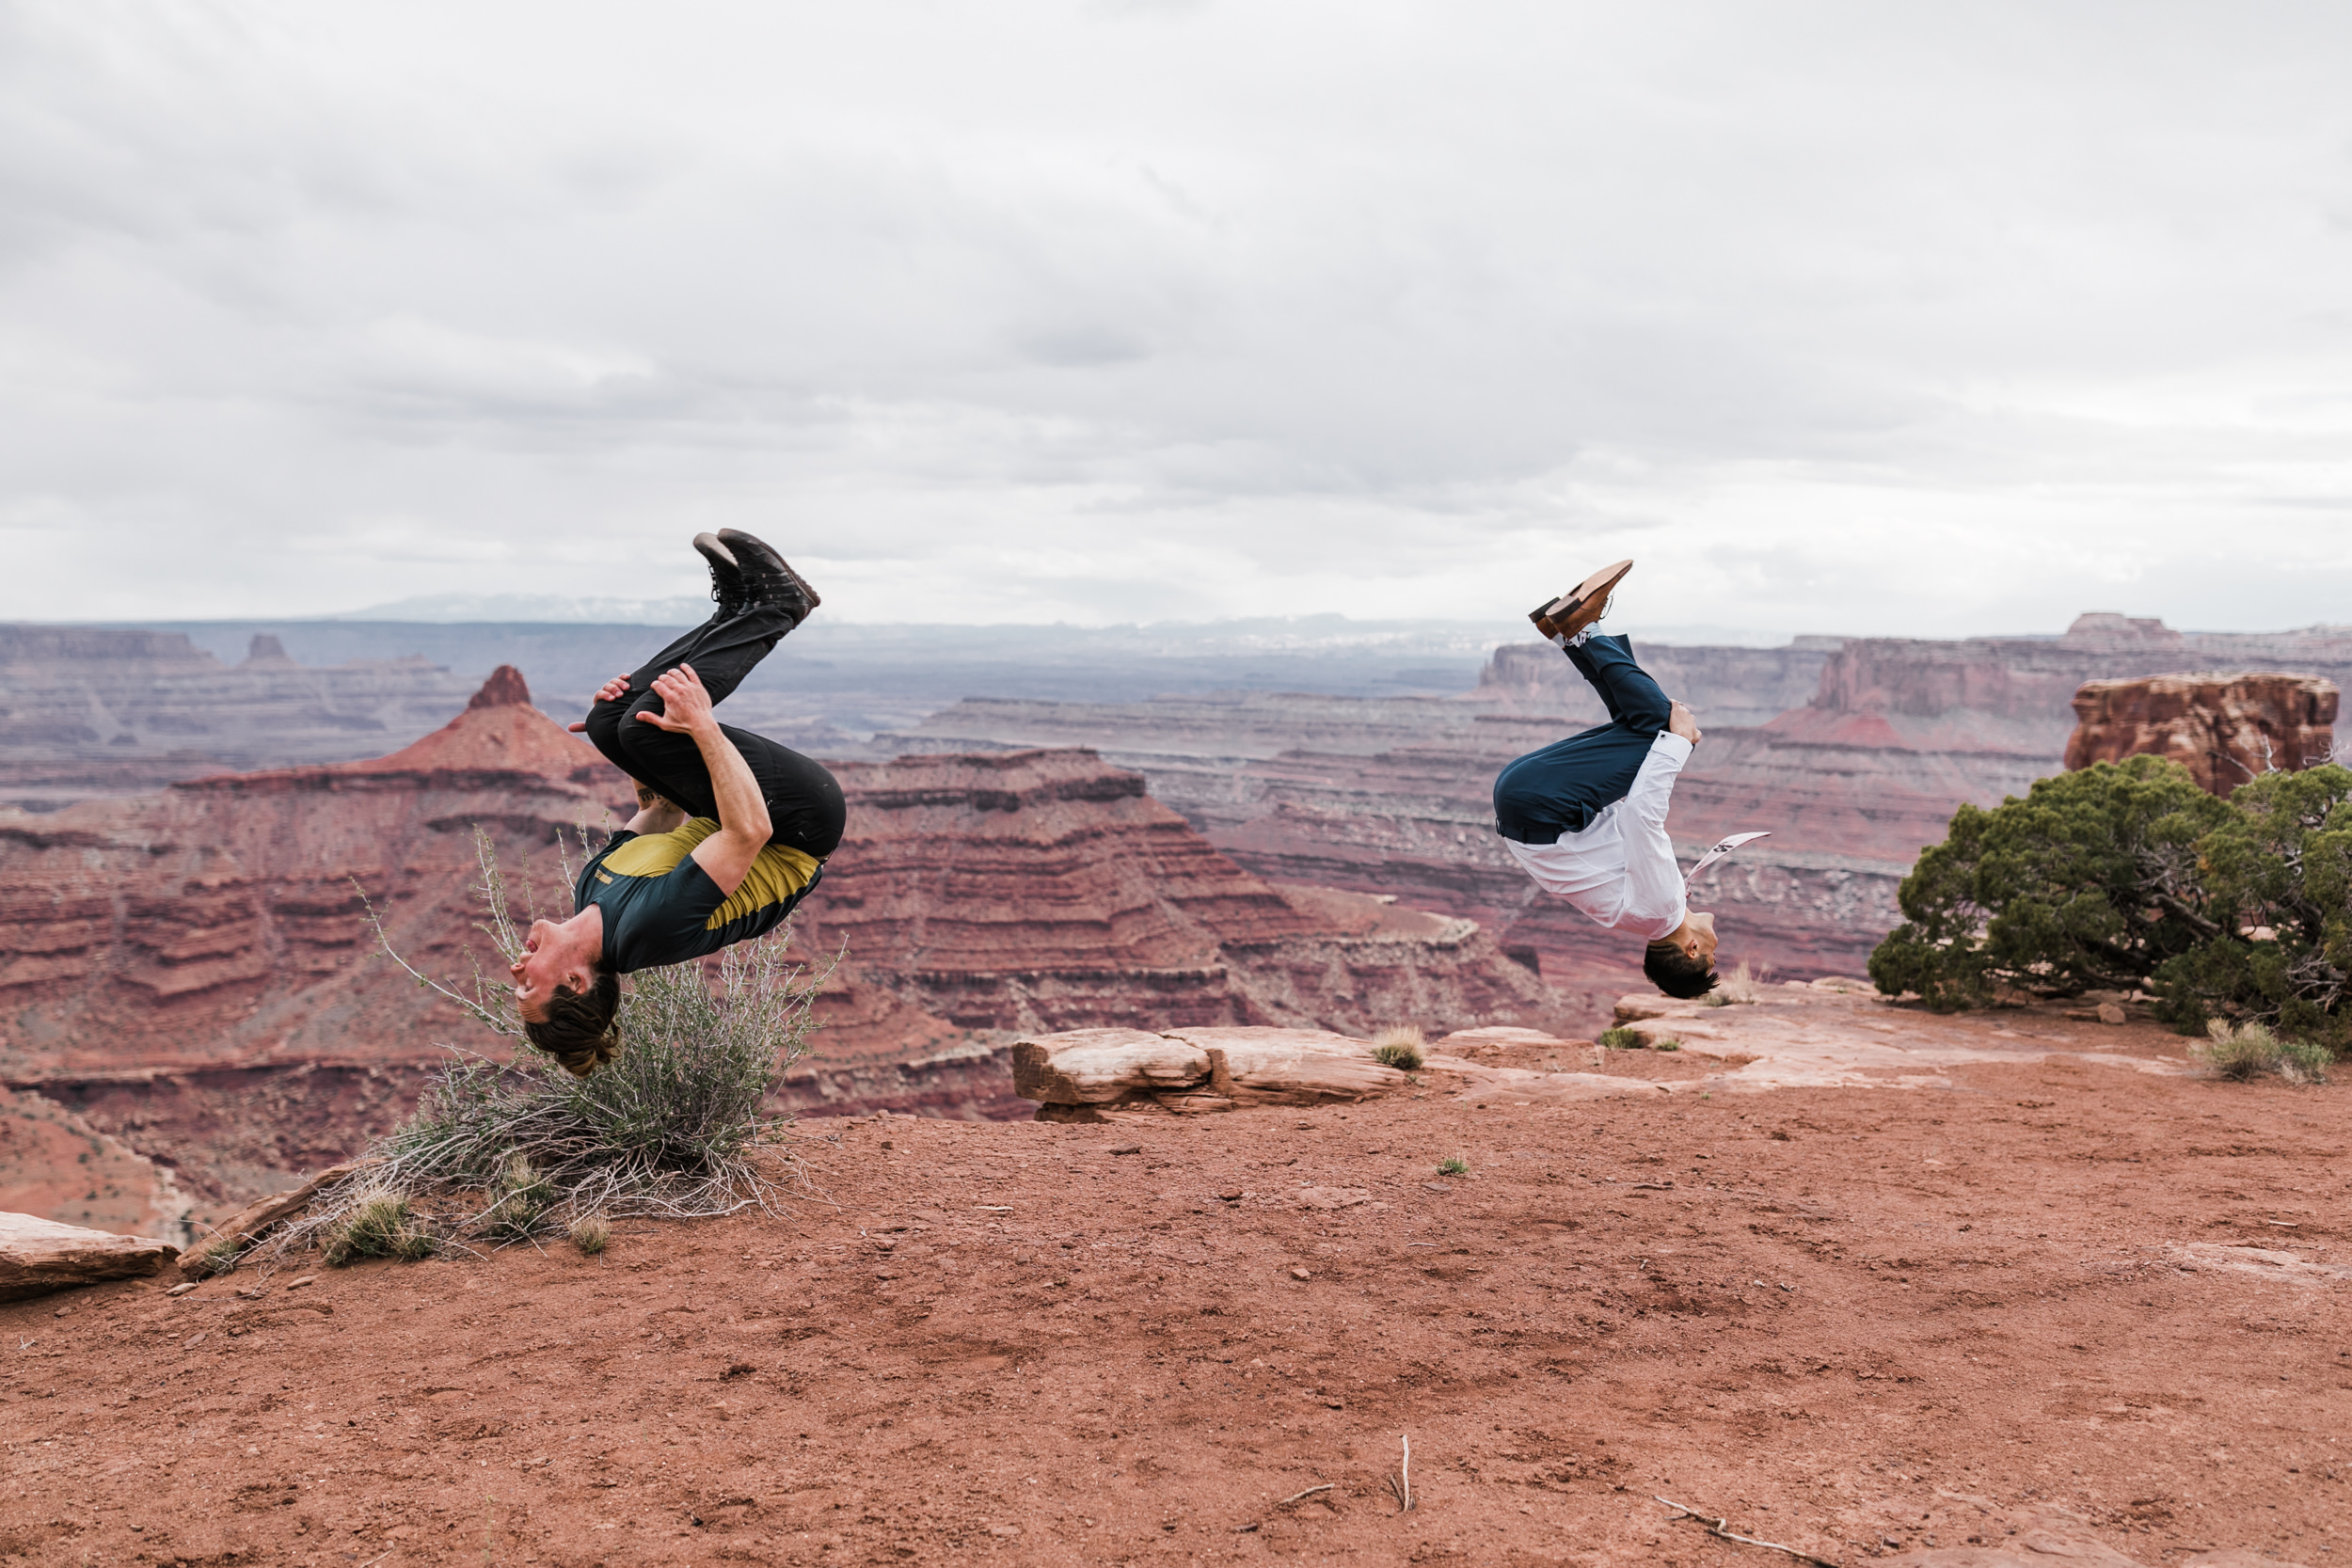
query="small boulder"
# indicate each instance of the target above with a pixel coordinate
(1257, 1065)
(1098, 1067)
(38, 1256)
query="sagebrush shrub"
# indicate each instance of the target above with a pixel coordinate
(2248, 1050)
(511, 1150)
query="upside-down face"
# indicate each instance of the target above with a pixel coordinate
(548, 964)
(1700, 942)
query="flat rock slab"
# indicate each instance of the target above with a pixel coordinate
(1290, 1067)
(1503, 1034)
(1511, 1085)
(1096, 1066)
(1094, 1075)
(1840, 1034)
(38, 1256)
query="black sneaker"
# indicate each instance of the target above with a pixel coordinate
(727, 586)
(767, 578)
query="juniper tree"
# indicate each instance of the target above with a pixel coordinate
(2089, 880)
(2127, 875)
(2277, 872)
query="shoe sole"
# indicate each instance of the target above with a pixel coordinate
(736, 538)
(1581, 605)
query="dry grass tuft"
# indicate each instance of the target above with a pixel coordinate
(378, 1225)
(520, 1198)
(2250, 1050)
(1741, 988)
(590, 1234)
(1399, 1046)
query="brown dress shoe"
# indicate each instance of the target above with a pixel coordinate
(1581, 605)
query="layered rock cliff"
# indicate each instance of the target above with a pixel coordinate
(92, 712)
(1047, 889)
(1732, 687)
(2224, 729)
(222, 922)
(1852, 752)
(194, 970)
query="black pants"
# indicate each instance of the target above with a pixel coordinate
(803, 799)
(1561, 788)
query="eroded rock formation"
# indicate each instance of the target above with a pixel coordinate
(222, 923)
(1854, 752)
(2224, 729)
(94, 711)
(195, 972)
(1046, 889)
(55, 1166)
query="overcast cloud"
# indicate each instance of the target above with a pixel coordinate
(1850, 318)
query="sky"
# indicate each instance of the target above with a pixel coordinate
(1872, 318)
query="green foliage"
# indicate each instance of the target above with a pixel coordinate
(2091, 880)
(1456, 1165)
(1670, 1043)
(2127, 876)
(1397, 1054)
(380, 1225)
(590, 1234)
(2281, 867)
(1620, 1038)
(2251, 1050)
(520, 1198)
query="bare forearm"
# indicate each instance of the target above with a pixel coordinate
(740, 808)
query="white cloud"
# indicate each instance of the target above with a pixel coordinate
(1840, 317)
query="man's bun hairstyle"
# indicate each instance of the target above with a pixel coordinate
(578, 1030)
(1675, 972)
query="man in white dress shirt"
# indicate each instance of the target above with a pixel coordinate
(1586, 817)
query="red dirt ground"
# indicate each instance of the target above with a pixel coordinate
(1854, 1321)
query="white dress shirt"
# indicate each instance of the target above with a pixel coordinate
(1621, 870)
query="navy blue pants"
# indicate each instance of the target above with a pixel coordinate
(1561, 788)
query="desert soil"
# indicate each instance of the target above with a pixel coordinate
(2053, 1298)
